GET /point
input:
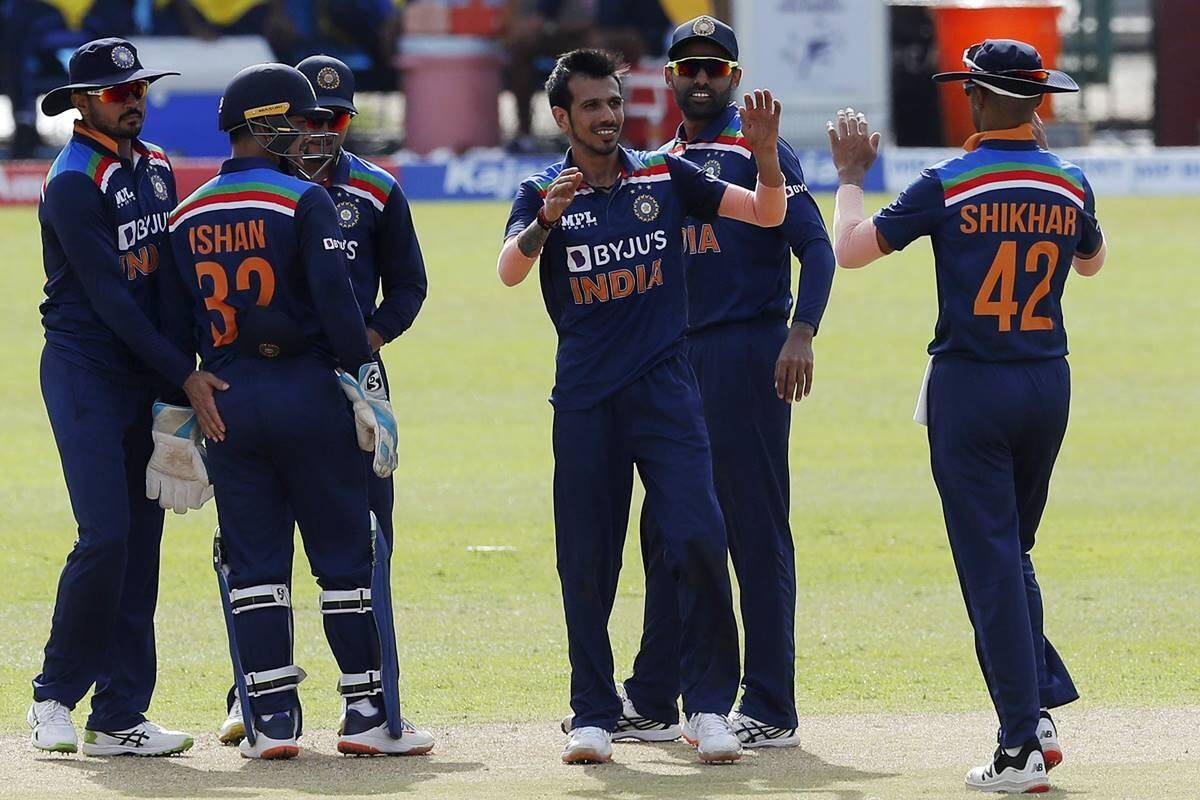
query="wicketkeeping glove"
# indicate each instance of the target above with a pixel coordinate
(176, 476)
(374, 422)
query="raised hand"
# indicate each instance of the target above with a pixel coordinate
(561, 193)
(854, 149)
(760, 120)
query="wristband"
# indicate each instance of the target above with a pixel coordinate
(544, 223)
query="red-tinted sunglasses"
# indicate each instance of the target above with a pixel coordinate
(713, 67)
(118, 94)
(338, 123)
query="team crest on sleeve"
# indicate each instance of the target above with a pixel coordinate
(712, 167)
(347, 211)
(122, 56)
(704, 26)
(328, 78)
(160, 187)
(645, 208)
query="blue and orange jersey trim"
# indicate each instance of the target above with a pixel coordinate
(238, 191)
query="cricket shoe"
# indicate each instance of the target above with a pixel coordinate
(753, 733)
(587, 745)
(53, 730)
(1024, 772)
(633, 727)
(233, 729)
(274, 737)
(713, 737)
(1047, 733)
(363, 735)
(145, 739)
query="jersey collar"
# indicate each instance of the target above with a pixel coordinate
(710, 131)
(97, 140)
(340, 174)
(1018, 138)
(242, 164)
(629, 164)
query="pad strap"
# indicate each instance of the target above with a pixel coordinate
(346, 601)
(270, 681)
(360, 684)
(265, 595)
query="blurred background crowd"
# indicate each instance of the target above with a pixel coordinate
(456, 75)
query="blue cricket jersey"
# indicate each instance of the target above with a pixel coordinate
(1006, 219)
(737, 271)
(612, 272)
(255, 236)
(104, 233)
(381, 244)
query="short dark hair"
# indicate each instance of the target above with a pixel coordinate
(592, 63)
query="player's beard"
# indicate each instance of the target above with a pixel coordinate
(706, 111)
(127, 126)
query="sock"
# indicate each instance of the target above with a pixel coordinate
(364, 707)
(1012, 752)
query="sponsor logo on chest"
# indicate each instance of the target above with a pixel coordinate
(581, 219)
(349, 247)
(124, 197)
(133, 232)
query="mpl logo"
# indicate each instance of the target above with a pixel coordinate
(124, 197)
(582, 219)
(579, 258)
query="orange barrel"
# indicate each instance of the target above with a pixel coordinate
(451, 86)
(962, 23)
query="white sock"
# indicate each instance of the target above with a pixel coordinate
(1012, 752)
(364, 707)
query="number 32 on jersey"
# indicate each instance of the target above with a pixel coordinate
(216, 299)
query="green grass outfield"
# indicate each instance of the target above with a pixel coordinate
(880, 628)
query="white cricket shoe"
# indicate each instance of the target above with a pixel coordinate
(632, 726)
(145, 739)
(1024, 772)
(233, 729)
(754, 733)
(587, 745)
(1047, 733)
(713, 737)
(361, 735)
(274, 738)
(53, 729)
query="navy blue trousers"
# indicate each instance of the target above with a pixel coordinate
(102, 632)
(290, 454)
(657, 425)
(748, 426)
(994, 434)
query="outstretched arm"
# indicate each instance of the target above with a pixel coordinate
(856, 242)
(766, 206)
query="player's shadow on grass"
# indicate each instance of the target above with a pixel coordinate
(765, 772)
(314, 773)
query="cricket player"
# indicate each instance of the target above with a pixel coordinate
(1008, 220)
(381, 251)
(605, 222)
(103, 216)
(261, 274)
(750, 366)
